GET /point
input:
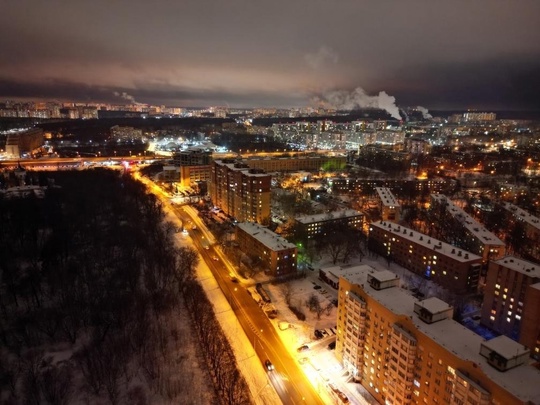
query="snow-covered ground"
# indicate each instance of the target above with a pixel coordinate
(318, 362)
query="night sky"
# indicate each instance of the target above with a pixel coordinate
(439, 54)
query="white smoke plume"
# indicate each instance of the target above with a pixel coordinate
(321, 58)
(425, 114)
(126, 96)
(358, 98)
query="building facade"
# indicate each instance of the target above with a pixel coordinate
(278, 255)
(241, 192)
(296, 163)
(21, 143)
(531, 226)
(447, 265)
(194, 166)
(405, 351)
(309, 226)
(511, 303)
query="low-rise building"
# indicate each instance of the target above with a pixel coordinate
(462, 230)
(296, 163)
(531, 225)
(308, 226)
(406, 351)
(278, 255)
(449, 266)
(388, 204)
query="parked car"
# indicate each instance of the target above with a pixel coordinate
(302, 348)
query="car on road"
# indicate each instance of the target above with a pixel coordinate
(269, 366)
(302, 348)
(215, 258)
(207, 247)
(343, 397)
(234, 279)
(193, 227)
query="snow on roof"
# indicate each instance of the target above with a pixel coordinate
(519, 265)
(309, 219)
(434, 305)
(335, 272)
(388, 199)
(452, 336)
(239, 166)
(264, 235)
(522, 214)
(536, 286)
(473, 226)
(506, 347)
(426, 241)
(384, 275)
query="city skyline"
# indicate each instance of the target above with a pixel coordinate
(455, 55)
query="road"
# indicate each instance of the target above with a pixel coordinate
(288, 379)
(58, 162)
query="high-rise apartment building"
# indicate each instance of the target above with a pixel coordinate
(239, 191)
(194, 166)
(405, 351)
(512, 301)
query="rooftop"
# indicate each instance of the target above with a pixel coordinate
(522, 214)
(268, 238)
(473, 226)
(384, 275)
(453, 337)
(506, 347)
(388, 199)
(519, 265)
(424, 240)
(309, 219)
(434, 305)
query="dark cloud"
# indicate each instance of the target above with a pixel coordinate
(153, 94)
(240, 52)
(509, 82)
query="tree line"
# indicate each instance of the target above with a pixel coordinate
(91, 298)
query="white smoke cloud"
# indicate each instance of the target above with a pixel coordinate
(322, 57)
(126, 96)
(358, 98)
(425, 114)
